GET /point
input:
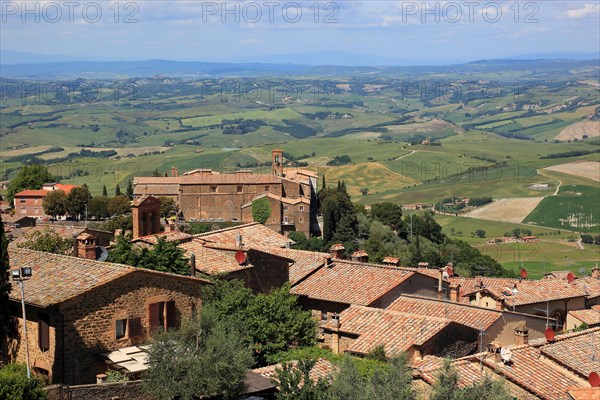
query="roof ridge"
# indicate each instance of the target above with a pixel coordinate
(400, 313)
(199, 235)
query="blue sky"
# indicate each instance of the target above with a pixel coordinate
(387, 30)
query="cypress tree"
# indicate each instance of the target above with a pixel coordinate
(117, 191)
(129, 191)
(104, 191)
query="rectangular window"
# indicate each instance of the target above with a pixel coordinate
(301, 219)
(22, 201)
(285, 219)
(162, 315)
(240, 189)
(213, 189)
(285, 208)
(323, 315)
(44, 332)
(121, 328)
(267, 188)
(301, 208)
(23, 211)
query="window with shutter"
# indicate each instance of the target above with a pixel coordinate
(171, 315)
(153, 316)
(121, 328)
(44, 332)
(135, 327)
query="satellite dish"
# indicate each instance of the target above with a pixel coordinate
(450, 271)
(101, 253)
(570, 277)
(549, 333)
(594, 379)
(506, 354)
(523, 273)
(240, 257)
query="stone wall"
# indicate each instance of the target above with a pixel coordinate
(106, 391)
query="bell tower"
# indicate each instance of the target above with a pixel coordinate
(277, 162)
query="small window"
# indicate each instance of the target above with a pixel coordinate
(301, 219)
(240, 189)
(162, 315)
(285, 219)
(22, 201)
(213, 189)
(44, 332)
(121, 328)
(267, 188)
(301, 208)
(323, 315)
(285, 208)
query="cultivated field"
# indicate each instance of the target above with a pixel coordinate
(579, 129)
(507, 210)
(585, 169)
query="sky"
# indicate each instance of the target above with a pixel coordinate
(391, 32)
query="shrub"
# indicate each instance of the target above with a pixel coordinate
(14, 384)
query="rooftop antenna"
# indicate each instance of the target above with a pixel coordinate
(547, 312)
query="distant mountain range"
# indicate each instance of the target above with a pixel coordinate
(16, 64)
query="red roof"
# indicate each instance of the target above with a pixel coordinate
(65, 188)
(32, 193)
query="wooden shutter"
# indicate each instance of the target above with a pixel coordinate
(135, 327)
(171, 314)
(43, 332)
(153, 317)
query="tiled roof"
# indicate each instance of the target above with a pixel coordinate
(323, 369)
(156, 189)
(57, 278)
(590, 285)
(474, 317)
(305, 262)
(66, 232)
(588, 316)
(429, 367)
(585, 393)
(351, 282)
(253, 235)
(336, 247)
(212, 261)
(395, 331)
(360, 253)
(65, 188)
(536, 375)
(174, 236)
(580, 354)
(32, 193)
(527, 292)
(391, 260)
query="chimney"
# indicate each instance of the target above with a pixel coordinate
(100, 378)
(337, 251)
(441, 283)
(455, 292)
(174, 172)
(335, 333)
(521, 335)
(193, 265)
(596, 271)
(86, 246)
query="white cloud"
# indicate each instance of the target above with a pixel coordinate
(587, 10)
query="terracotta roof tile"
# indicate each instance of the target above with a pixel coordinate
(32, 193)
(57, 278)
(468, 371)
(174, 236)
(351, 282)
(471, 316)
(305, 262)
(589, 316)
(581, 354)
(212, 261)
(585, 393)
(323, 369)
(64, 231)
(397, 332)
(253, 235)
(65, 187)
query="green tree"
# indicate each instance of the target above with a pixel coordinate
(104, 191)
(129, 191)
(55, 203)
(446, 387)
(14, 384)
(389, 214)
(303, 243)
(29, 177)
(340, 223)
(123, 222)
(274, 321)
(77, 200)
(168, 207)
(5, 286)
(119, 205)
(480, 233)
(163, 256)
(98, 207)
(46, 240)
(382, 242)
(206, 357)
(295, 383)
(117, 190)
(123, 252)
(155, 173)
(261, 210)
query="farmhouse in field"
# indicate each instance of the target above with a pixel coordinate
(29, 202)
(206, 195)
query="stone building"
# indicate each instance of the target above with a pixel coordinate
(78, 309)
(208, 195)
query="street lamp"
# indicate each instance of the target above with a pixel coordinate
(21, 275)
